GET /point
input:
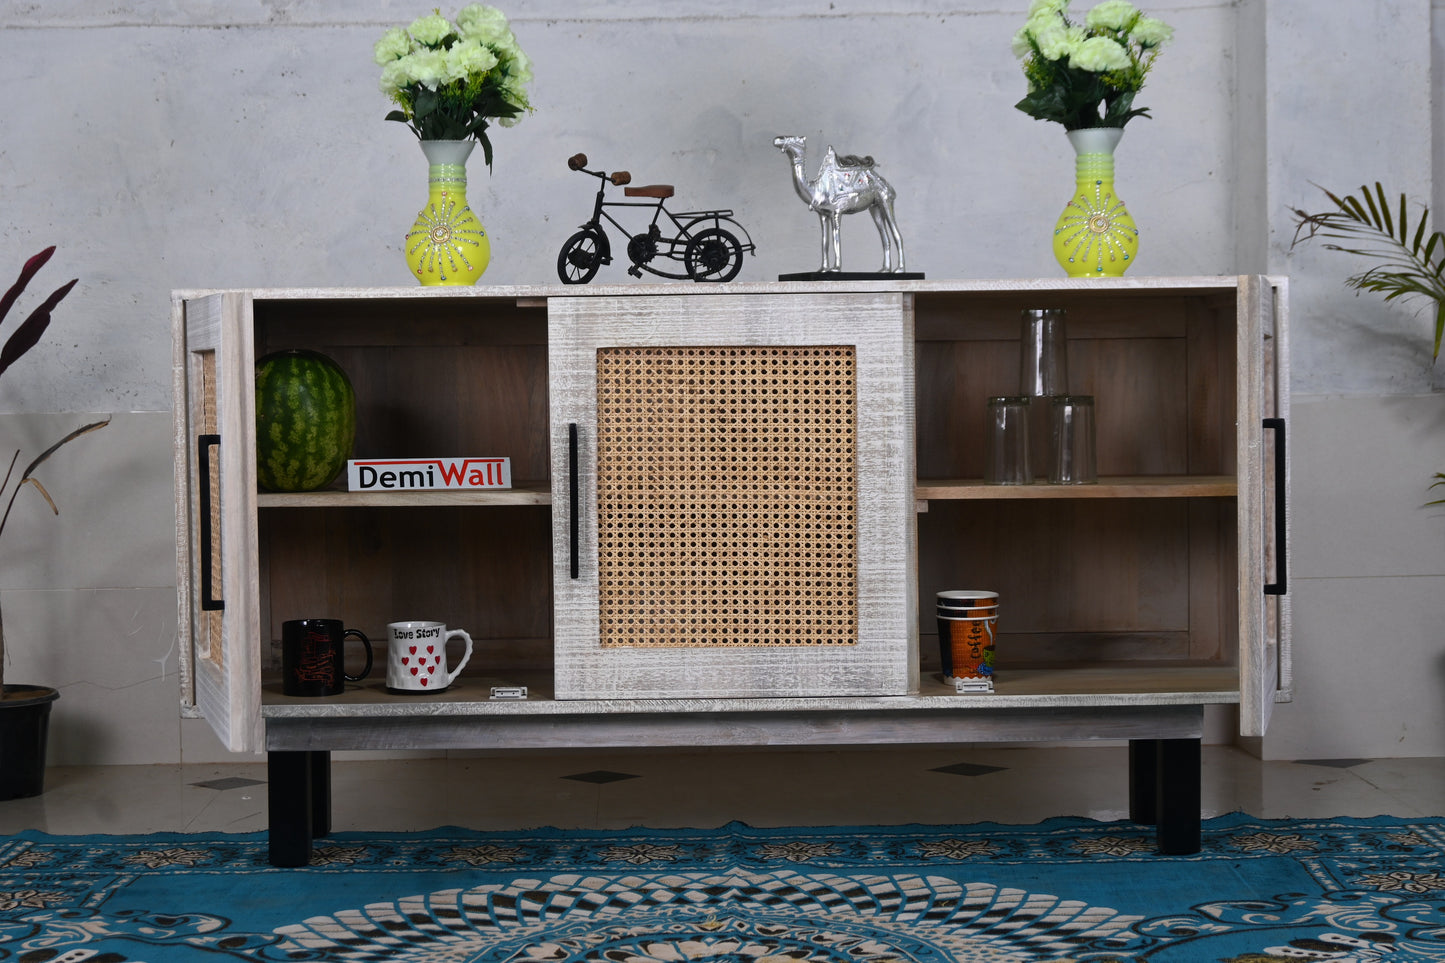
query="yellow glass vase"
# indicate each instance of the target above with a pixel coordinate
(1095, 237)
(447, 244)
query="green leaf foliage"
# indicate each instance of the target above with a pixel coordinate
(1410, 259)
(1068, 86)
(450, 79)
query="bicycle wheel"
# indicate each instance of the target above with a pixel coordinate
(580, 257)
(713, 255)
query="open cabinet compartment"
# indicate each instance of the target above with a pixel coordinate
(1138, 584)
(438, 378)
(433, 377)
(1089, 575)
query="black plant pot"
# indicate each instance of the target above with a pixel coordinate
(24, 724)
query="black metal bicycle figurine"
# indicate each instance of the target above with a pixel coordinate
(706, 249)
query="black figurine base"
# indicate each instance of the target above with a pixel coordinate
(852, 276)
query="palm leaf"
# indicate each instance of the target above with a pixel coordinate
(1439, 480)
(1410, 266)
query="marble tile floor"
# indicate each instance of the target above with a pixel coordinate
(617, 790)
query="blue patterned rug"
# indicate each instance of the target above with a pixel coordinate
(1067, 889)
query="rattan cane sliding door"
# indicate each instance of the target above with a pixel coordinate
(732, 495)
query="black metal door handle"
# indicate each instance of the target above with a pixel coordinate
(204, 444)
(572, 492)
(1281, 530)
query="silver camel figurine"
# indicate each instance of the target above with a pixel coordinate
(845, 185)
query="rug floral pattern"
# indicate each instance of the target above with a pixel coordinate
(1344, 890)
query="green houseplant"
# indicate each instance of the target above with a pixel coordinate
(25, 709)
(1410, 258)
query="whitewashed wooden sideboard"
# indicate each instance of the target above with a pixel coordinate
(759, 569)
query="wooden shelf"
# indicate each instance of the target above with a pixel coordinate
(1142, 486)
(1021, 688)
(1159, 486)
(532, 494)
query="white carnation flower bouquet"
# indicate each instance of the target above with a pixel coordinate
(1086, 74)
(451, 78)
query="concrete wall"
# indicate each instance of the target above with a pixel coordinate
(165, 145)
(1350, 100)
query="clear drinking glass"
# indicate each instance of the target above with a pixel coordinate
(1072, 458)
(1043, 373)
(1006, 459)
(1044, 358)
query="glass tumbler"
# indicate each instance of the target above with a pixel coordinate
(1072, 458)
(1043, 373)
(1006, 458)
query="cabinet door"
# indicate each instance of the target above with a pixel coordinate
(218, 581)
(732, 489)
(1263, 409)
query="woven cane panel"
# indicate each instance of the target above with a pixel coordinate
(726, 495)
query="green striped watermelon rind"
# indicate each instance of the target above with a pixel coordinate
(305, 420)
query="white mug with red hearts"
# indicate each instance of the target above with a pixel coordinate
(417, 658)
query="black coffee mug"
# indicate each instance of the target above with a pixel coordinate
(312, 661)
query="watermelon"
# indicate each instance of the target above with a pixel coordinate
(305, 420)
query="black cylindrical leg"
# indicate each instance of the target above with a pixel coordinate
(1178, 797)
(320, 774)
(1144, 781)
(289, 807)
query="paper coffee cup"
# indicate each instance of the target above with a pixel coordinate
(968, 647)
(966, 598)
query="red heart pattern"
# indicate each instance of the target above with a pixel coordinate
(428, 662)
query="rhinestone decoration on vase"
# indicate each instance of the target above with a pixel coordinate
(447, 244)
(1095, 236)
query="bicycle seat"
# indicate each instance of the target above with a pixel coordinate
(650, 190)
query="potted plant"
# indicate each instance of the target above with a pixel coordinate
(25, 709)
(450, 81)
(1084, 75)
